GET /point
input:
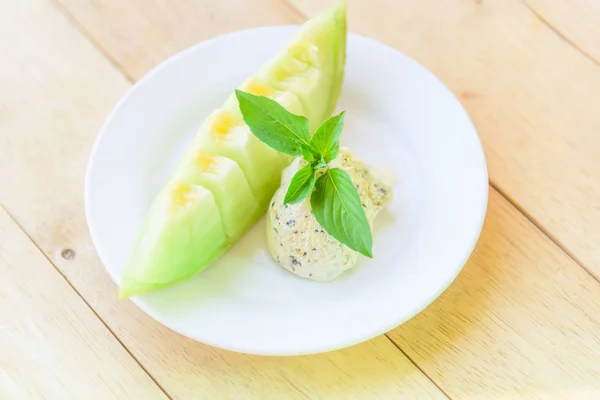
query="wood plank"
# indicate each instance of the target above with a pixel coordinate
(60, 85)
(53, 346)
(522, 321)
(578, 21)
(138, 34)
(532, 96)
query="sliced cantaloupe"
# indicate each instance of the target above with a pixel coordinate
(238, 207)
(181, 235)
(200, 212)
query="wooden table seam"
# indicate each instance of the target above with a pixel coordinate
(544, 231)
(559, 33)
(87, 304)
(414, 362)
(64, 11)
(294, 9)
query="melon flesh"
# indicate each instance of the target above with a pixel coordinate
(210, 201)
(227, 136)
(224, 178)
(257, 87)
(312, 66)
(182, 234)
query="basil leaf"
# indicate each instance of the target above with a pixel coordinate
(307, 153)
(320, 163)
(272, 124)
(301, 185)
(337, 207)
(326, 139)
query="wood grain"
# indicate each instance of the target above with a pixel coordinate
(578, 21)
(532, 96)
(138, 34)
(60, 90)
(522, 321)
(52, 345)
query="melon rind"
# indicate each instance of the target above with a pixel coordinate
(181, 234)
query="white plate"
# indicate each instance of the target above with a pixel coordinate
(399, 116)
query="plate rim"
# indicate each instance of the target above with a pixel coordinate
(306, 350)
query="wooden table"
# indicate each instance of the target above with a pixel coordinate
(522, 321)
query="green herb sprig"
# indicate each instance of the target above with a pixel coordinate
(333, 197)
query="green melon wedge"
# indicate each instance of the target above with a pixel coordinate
(224, 178)
(227, 136)
(257, 87)
(312, 66)
(197, 216)
(181, 234)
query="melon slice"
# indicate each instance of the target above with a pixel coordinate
(198, 216)
(312, 66)
(224, 178)
(225, 135)
(182, 234)
(257, 87)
